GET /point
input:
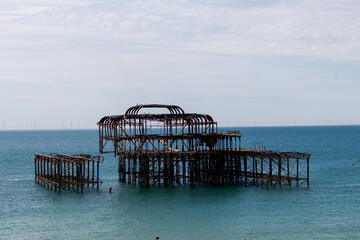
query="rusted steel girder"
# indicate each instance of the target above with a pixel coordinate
(178, 148)
(60, 172)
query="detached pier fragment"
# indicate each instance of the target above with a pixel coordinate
(178, 148)
(67, 172)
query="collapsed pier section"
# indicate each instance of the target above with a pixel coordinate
(178, 148)
(60, 172)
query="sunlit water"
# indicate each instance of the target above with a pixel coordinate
(329, 209)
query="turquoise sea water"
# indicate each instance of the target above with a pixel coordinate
(329, 209)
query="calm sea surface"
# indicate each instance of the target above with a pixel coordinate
(329, 209)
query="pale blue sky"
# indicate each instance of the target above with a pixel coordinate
(243, 62)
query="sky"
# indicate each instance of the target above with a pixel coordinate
(66, 64)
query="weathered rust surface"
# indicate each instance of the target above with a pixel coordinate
(60, 172)
(178, 148)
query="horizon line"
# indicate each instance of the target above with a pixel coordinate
(243, 126)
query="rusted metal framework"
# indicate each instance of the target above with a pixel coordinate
(178, 148)
(67, 172)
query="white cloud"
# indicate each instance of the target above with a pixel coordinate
(328, 29)
(27, 10)
(204, 55)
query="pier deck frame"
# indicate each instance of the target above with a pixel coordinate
(60, 172)
(178, 148)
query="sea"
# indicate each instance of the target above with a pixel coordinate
(328, 209)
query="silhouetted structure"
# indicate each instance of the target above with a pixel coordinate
(67, 172)
(178, 148)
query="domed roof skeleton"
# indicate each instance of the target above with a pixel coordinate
(176, 114)
(186, 148)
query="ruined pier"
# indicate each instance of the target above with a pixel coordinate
(60, 172)
(178, 148)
